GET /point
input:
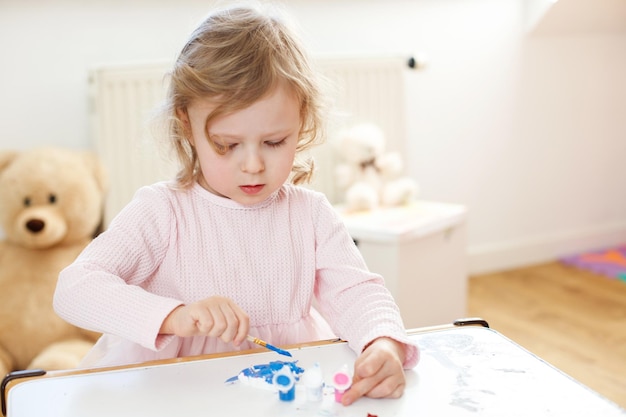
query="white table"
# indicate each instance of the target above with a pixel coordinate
(464, 371)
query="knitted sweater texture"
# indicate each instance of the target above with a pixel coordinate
(281, 261)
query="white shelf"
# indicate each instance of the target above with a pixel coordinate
(419, 249)
(402, 223)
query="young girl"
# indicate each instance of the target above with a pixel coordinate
(233, 246)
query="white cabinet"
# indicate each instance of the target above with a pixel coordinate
(420, 251)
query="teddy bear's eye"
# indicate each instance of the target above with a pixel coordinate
(52, 198)
(27, 201)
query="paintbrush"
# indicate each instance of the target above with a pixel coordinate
(268, 346)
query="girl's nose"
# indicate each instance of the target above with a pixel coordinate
(252, 162)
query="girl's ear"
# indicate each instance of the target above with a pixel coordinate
(184, 118)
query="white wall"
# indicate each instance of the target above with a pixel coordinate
(526, 130)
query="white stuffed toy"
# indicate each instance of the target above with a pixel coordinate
(369, 176)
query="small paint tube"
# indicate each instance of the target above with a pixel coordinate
(342, 380)
(285, 382)
(313, 382)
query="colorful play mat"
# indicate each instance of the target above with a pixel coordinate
(609, 262)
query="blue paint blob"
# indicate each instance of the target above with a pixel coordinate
(287, 395)
(266, 371)
(285, 382)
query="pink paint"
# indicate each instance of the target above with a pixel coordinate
(342, 380)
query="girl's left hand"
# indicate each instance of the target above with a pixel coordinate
(378, 372)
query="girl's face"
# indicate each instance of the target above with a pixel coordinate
(259, 143)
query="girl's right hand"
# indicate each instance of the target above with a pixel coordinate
(214, 316)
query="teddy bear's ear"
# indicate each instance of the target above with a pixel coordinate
(97, 167)
(6, 157)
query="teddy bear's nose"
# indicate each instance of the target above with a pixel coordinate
(35, 225)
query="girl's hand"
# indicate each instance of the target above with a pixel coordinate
(378, 372)
(213, 316)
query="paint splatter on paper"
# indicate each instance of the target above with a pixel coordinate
(261, 375)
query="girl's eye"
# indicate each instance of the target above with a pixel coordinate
(222, 148)
(276, 144)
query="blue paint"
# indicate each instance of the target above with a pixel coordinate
(267, 371)
(285, 382)
(267, 345)
(277, 350)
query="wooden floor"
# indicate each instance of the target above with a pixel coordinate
(573, 319)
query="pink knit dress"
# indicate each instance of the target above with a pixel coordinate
(170, 247)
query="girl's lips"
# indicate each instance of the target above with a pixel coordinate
(252, 189)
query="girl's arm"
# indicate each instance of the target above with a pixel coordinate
(354, 300)
(101, 290)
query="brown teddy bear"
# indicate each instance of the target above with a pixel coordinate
(51, 206)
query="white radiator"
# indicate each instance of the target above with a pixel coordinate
(123, 97)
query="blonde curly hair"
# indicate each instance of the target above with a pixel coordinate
(234, 58)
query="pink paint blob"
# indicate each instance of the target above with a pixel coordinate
(341, 379)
